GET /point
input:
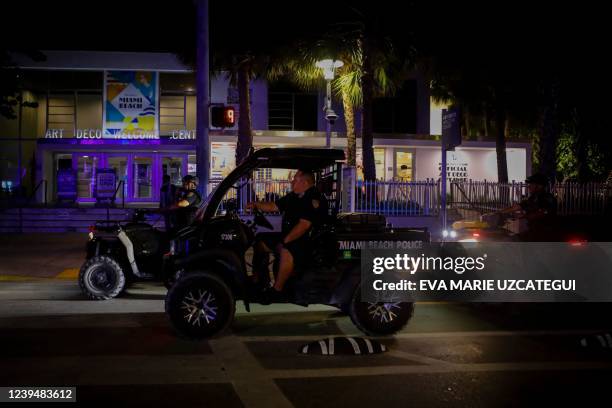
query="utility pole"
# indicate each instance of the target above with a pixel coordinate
(202, 97)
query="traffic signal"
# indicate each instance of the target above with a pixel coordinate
(222, 116)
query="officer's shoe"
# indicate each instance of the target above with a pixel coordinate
(270, 295)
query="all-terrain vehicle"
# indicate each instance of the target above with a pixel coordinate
(211, 259)
(120, 252)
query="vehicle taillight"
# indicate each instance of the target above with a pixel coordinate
(577, 242)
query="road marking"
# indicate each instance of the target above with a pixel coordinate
(251, 382)
(22, 278)
(66, 274)
(491, 333)
(71, 273)
(417, 358)
(434, 369)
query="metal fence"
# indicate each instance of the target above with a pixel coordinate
(252, 190)
(573, 198)
(400, 198)
(420, 198)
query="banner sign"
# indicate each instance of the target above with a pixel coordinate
(131, 105)
(66, 184)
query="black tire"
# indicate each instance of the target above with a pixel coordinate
(101, 278)
(379, 319)
(186, 298)
(170, 280)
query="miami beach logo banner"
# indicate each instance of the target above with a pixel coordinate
(131, 104)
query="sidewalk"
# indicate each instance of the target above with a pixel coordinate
(41, 256)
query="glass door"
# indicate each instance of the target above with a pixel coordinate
(142, 184)
(86, 166)
(120, 163)
(175, 166)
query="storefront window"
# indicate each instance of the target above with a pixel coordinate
(173, 166)
(143, 177)
(403, 165)
(379, 160)
(222, 160)
(191, 165)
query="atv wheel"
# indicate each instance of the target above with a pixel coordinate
(379, 319)
(200, 305)
(171, 279)
(101, 278)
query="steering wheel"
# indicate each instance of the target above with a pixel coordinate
(260, 219)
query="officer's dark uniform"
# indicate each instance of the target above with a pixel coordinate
(310, 206)
(185, 215)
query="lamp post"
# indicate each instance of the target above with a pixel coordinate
(329, 66)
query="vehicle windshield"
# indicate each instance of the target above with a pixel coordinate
(204, 205)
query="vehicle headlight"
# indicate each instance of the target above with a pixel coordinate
(91, 236)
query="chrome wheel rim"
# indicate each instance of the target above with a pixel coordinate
(383, 312)
(199, 308)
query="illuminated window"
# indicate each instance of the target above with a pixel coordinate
(403, 165)
(222, 160)
(379, 160)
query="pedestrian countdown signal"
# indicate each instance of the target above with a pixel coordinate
(222, 116)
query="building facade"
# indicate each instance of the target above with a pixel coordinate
(135, 113)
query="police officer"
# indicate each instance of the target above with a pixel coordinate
(539, 208)
(188, 201)
(303, 210)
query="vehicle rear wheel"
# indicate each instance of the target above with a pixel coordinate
(379, 319)
(101, 278)
(200, 305)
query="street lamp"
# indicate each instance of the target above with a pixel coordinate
(329, 66)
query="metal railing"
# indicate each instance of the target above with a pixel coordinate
(399, 198)
(419, 198)
(573, 198)
(252, 190)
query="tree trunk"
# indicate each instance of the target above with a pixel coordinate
(500, 144)
(367, 137)
(351, 137)
(549, 136)
(245, 133)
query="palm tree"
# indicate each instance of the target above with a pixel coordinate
(387, 74)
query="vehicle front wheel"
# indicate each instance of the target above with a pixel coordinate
(200, 305)
(101, 278)
(379, 319)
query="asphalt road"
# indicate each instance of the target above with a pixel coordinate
(124, 353)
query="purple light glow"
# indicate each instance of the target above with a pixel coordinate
(127, 142)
